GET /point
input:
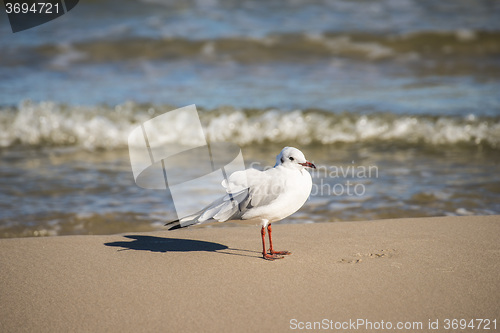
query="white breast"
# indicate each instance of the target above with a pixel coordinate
(296, 190)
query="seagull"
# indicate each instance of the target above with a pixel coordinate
(260, 197)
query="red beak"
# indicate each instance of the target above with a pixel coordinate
(308, 164)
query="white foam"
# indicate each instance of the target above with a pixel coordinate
(345, 45)
(48, 123)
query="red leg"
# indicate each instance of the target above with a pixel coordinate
(271, 250)
(266, 256)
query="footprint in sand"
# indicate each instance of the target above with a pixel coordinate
(358, 257)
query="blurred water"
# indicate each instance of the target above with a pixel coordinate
(405, 56)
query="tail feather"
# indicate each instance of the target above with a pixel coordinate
(174, 225)
(172, 222)
(226, 208)
(177, 223)
(185, 222)
(177, 226)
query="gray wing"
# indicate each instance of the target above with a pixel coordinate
(245, 190)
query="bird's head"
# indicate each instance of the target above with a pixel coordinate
(293, 158)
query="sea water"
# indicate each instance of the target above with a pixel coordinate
(396, 102)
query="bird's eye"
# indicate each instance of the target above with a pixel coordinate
(291, 158)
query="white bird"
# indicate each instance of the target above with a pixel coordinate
(260, 197)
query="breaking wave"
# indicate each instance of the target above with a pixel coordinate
(440, 46)
(104, 127)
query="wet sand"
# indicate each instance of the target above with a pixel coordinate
(423, 270)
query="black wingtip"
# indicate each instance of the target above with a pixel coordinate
(178, 226)
(172, 222)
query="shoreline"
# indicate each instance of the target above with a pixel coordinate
(213, 279)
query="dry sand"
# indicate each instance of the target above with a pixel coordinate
(213, 279)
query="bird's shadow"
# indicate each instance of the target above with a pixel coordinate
(161, 244)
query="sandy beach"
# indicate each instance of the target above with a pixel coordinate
(398, 272)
